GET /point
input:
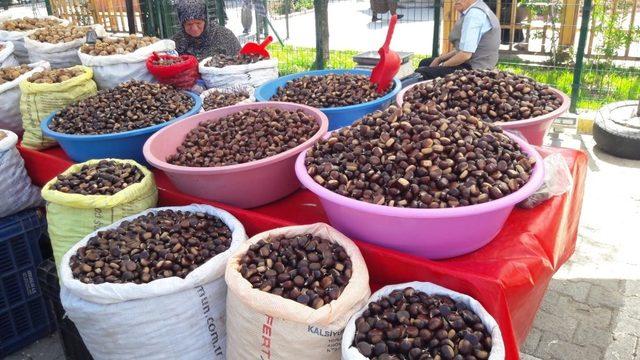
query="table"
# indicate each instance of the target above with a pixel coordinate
(509, 276)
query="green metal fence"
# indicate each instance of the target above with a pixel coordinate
(589, 49)
(602, 63)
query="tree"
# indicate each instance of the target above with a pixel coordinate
(322, 33)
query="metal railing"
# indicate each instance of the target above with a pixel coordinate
(587, 48)
(117, 16)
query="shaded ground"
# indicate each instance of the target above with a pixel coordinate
(592, 307)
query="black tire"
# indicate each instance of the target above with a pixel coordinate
(616, 138)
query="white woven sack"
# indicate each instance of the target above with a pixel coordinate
(261, 325)
(15, 185)
(110, 71)
(60, 55)
(17, 38)
(171, 318)
(6, 55)
(350, 352)
(11, 119)
(230, 90)
(254, 74)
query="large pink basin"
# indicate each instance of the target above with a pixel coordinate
(243, 185)
(429, 233)
(533, 129)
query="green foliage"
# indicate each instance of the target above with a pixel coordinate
(292, 60)
(623, 84)
(299, 5)
(609, 29)
(550, 12)
(280, 7)
(612, 33)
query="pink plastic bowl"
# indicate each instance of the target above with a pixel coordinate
(533, 129)
(243, 185)
(429, 233)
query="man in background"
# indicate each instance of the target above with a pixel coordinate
(475, 38)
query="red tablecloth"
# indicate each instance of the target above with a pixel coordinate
(509, 276)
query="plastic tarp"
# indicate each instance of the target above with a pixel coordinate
(509, 276)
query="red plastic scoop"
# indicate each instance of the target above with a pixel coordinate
(389, 63)
(252, 48)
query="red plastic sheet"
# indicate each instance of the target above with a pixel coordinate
(509, 276)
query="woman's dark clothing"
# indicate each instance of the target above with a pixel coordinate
(429, 73)
(214, 39)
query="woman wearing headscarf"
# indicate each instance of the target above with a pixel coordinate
(200, 38)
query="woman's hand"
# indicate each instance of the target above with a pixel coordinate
(435, 62)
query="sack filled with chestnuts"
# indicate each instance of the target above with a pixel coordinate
(151, 286)
(291, 293)
(179, 71)
(6, 55)
(222, 97)
(10, 78)
(15, 30)
(59, 44)
(94, 194)
(15, 185)
(115, 60)
(219, 71)
(48, 91)
(422, 321)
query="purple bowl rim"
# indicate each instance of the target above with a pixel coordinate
(535, 181)
(175, 169)
(566, 102)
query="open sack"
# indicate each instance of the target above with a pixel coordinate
(18, 37)
(59, 55)
(15, 184)
(111, 70)
(349, 352)
(254, 74)
(71, 217)
(292, 330)
(6, 55)
(170, 318)
(10, 93)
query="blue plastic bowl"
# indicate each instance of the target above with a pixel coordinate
(123, 145)
(338, 116)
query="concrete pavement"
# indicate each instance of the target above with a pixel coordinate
(592, 307)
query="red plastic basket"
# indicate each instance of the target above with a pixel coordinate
(183, 74)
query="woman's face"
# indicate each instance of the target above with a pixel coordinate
(194, 27)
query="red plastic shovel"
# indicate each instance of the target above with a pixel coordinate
(389, 63)
(252, 48)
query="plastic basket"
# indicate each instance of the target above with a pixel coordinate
(233, 184)
(122, 145)
(24, 315)
(338, 116)
(422, 232)
(72, 344)
(533, 129)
